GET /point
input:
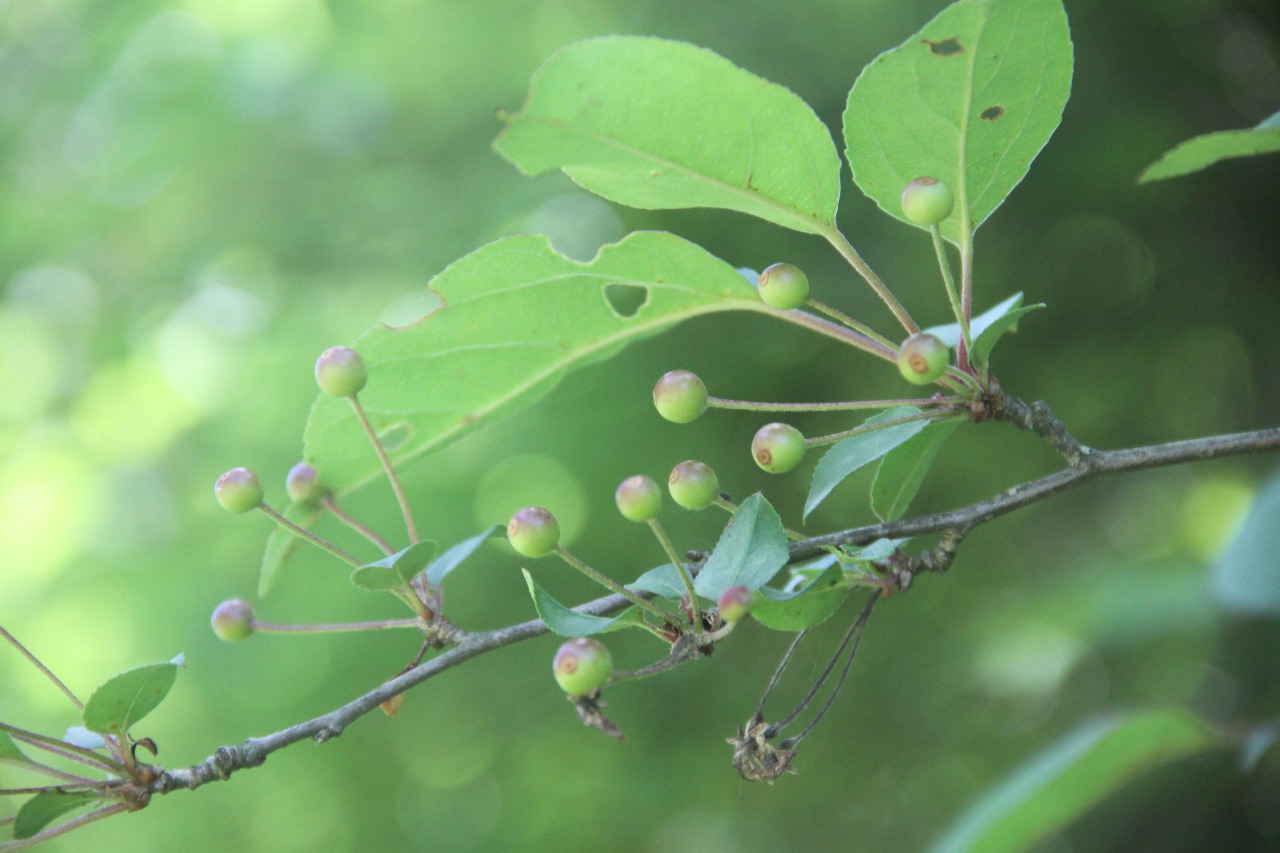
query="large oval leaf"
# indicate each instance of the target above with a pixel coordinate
(970, 100)
(126, 698)
(751, 550)
(515, 317)
(658, 124)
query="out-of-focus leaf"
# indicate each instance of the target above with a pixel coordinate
(46, 807)
(449, 560)
(9, 751)
(515, 317)
(570, 623)
(751, 550)
(83, 738)
(1247, 578)
(126, 698)
(903, 469)
(396, 569)
(851, 454)
(805, 608)
(1201, 152)
(282, 543)
(970, 100)
(658, 124)
(1071, 776)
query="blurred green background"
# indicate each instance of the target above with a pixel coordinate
(197, 198)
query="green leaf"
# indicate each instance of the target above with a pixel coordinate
(986, 340)
(396, 569)
(282, 543)
(570, 623)
(949, 333)
(662, 124)
(9, 751)
(516, 316)
(1247, 578)
(46, 807)
(852, 453)
(797, 611)
(126, 698)
(663, 581)
(449, 560)
(970, 100)
(1071, 776)
(903, 469)
(750, 552)
(1201, 152)
(881, 549)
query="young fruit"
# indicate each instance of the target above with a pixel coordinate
(680, 396)
(927, 201)
(778, 448)
(533, 532)
(735, 604)
(638, 498)
(238, 490)
(340, 372)
(303, 484)
(784, 286)
(922, 358)
(232, 620)
(693, 485)
(582, 666)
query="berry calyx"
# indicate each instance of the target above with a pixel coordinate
(778, 448)
(922, 358)
(533, 532)
(734, 604)
(693, 485)
(679, 396)
(927, 201)
(303, 484)
(638, 498)
(232, 620)
(582, 666)
(784, 287)
(238, 490)
(341, 372)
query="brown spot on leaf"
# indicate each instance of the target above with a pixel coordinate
(946, 47)
(991, 113)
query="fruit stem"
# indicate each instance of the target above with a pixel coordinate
(665, 540)
(331, 505)
(386, 467)
(820, 440)
(966, 285)
(303, 533)
(752, 406)
(841, 317)
(66, 750)
(613, 586)
(840, 333)
(35, 661)
(837, 239)
(335, 628)
(949, 282)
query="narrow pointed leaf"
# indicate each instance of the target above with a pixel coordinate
(1201, 152)
(46, 807)
(752, 549)
(903, 469)
(568, 622)
(450, 560)
(128, 697)
(515, 317)
(970, 100)
(1070, 777)
(803, 609)
(282, 543)
(659, 124)
(986, 341)
(949, 333)
(396, 569)
(855, 452)
(9, 751)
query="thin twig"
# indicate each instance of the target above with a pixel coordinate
(68, 826)
(35, 661)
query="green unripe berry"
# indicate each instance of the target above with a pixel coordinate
(232, 620)
(582, 666)
(680, 396)
(778, 448)
(927, 201)
(533, 532)
(784, 286)
(638, 498)
(238, 490)
(693, 485)
(922, 358)
(303, 484)
(340, 372)
(734, 604)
